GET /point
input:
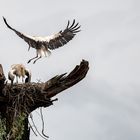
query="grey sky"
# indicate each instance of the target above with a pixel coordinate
(106, 104)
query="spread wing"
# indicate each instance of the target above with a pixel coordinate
(29, 39)
(53, 41)
(63, 37)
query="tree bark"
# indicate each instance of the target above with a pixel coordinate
(19, 100)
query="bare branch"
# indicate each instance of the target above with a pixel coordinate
(62, 82)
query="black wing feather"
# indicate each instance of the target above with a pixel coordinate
(65, 36)
(29, 40)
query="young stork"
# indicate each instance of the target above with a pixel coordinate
(43, 45)
(19, 70)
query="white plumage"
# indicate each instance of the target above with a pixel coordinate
(43, 45)
(19, 71)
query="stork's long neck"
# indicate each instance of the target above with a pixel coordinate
(22, 72)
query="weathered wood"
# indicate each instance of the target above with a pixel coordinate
(19, 100)
(2, 79)
(59, 83)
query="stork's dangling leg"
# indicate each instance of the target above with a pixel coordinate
(40, 52)
(33, 57)
(37, 59)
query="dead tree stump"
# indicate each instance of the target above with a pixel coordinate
(19, 100)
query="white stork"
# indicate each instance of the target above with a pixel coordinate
(43, 45)
(19, 70)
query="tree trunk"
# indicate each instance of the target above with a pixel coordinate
(19, 100)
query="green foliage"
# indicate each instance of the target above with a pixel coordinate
(18, 127)
(2, 129)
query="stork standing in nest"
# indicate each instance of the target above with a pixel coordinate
(19, 71)
(43, 45)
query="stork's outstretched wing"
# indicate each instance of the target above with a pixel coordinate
(29, 39)
(61, 38)
(53, 41)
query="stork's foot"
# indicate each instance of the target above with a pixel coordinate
(34, 62)
(29, 61)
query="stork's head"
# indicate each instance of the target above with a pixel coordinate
(28, 74)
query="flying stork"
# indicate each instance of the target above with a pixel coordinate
(43, 45)
(19, 70)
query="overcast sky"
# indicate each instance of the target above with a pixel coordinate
(106, 104)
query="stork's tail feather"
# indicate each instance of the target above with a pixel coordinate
(49, 53)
